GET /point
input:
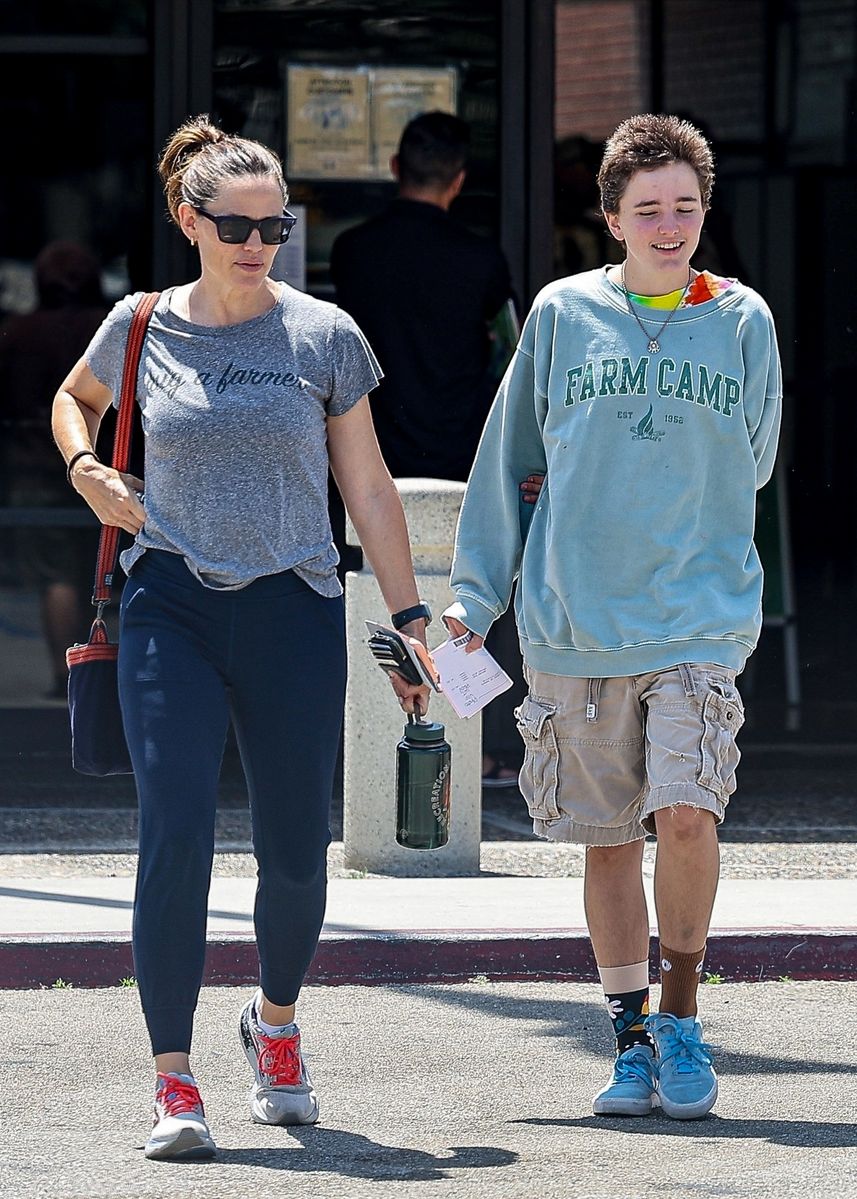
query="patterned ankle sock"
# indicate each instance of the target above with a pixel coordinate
(626, 990)
(680, 974)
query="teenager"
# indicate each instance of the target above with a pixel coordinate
(648, 394)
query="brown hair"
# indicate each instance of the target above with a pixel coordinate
(199, 158)
(646, 142)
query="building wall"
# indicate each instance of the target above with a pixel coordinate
(601, 66)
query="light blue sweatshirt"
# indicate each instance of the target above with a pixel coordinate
(639, 554)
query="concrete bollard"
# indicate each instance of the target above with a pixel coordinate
(374, 720)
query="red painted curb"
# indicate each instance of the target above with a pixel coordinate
(389, 959)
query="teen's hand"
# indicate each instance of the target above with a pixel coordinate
(531, 487)
(457, 629)
(112, 496)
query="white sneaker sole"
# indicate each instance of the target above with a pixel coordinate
(623, 1107)
(269, 1106)
(689, 1111)
(189, 1144)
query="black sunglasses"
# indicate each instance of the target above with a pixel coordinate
(236, 230)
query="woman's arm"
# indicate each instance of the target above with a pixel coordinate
(375, 509)
(78, 408)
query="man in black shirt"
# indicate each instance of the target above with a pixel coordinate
(423, 289)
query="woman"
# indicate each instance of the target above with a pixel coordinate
(248, 391)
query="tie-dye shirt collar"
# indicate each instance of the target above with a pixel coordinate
(704, 287)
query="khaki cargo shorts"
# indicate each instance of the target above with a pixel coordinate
(603, 755)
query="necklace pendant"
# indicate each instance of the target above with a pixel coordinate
(654, 346)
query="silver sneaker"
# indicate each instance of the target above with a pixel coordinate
(179, 1130)
(282, 1092)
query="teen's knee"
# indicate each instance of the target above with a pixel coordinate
(614, 857)
(683, 823)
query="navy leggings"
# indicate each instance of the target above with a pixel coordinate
(272, 658)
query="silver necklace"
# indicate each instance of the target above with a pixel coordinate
(654, 341)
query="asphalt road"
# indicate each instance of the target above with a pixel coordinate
(480, 1091)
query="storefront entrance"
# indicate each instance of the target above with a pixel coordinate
(89, 92)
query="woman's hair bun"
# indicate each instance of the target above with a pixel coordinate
(199, 159)
(188, 139)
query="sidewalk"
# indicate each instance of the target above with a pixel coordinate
(475, 1091)
(76, 927)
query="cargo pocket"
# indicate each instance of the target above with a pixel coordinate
(539, 773)
(722, 717)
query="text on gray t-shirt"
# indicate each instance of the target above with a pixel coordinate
(235, 424)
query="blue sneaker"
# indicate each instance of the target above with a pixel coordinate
(631, 1090)
(687, 1084)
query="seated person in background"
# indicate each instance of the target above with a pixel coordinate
(36, 352)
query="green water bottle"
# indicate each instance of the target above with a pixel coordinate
(423, 765)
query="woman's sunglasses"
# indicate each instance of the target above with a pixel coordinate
(236, 230)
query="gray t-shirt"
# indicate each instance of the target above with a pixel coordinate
(235, 423)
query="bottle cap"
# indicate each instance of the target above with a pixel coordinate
(429, 730)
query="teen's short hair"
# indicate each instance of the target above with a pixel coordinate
(433, 149)
(649, 141)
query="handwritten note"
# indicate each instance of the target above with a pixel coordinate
(469, 681)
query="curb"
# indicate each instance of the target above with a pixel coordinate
(389, 959)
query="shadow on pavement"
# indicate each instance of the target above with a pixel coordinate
(103, 901)
(583, 1024)
(804, 1134)
(749, 1063)
(566, 1019)
(355, 1156)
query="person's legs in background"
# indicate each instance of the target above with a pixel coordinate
(63, 625)
(59, 561)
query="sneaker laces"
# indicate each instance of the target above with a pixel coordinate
(280, 1060)
(629, 1066)
(684, 1045)
(178, 1097)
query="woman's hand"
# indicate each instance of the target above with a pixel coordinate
(113, 497)
(413, 698)
(457, 629)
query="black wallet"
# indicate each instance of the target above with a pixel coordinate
(396, 654)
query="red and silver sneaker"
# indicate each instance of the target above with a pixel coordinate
(282, 1092)
(180, 1129)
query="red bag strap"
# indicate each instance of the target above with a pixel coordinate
(108, 545)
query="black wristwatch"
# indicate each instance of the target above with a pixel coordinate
(418, 612)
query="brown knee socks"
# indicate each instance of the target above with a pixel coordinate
(680, 974)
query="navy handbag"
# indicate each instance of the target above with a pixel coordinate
(98, 743)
